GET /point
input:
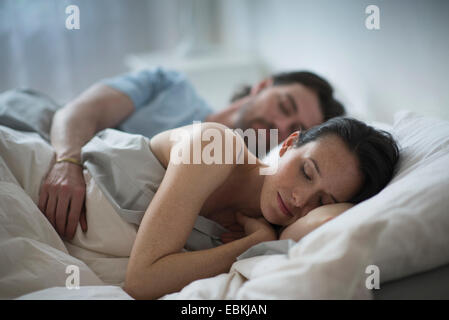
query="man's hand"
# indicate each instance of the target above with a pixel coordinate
(62, 193)
(61, 198)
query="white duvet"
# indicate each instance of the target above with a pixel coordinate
(33, 256)
(403, 230)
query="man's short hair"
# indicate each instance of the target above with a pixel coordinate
(330, 107)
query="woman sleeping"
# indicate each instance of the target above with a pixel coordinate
(321, 173)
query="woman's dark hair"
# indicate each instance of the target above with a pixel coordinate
(376, 151)
(329, 106)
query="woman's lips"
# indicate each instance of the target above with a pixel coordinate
(283, 207)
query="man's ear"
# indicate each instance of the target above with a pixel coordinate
(265, 83)
(289, 142)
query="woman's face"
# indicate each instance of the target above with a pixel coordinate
(320, 172)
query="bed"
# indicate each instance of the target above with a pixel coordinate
(398, 237)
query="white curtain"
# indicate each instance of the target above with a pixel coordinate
(37, 51)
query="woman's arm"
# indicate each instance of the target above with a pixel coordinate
(156, 266)
(172, 272)
(315, 218)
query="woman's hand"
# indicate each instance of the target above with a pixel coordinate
(314, 219)
(246, 226)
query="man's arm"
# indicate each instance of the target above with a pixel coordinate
(104, 105)
(98, 108)
(62, 193)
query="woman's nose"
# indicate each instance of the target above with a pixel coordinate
(299, 197)
(303, 197)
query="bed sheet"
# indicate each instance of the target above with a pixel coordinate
(33, 256)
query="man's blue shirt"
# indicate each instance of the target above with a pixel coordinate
(163, 99)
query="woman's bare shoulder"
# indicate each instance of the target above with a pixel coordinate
(208, 142)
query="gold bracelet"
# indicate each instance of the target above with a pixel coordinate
(71, 160)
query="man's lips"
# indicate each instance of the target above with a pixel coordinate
(283, 207)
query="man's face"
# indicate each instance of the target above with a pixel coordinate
(284, 107)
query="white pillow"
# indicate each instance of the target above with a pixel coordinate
(416, 202)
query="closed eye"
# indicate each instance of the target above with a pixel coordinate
(320, 199)
(283, 108)
(305, 174)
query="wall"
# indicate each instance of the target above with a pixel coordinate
(375, 72)
(402, 65)
(37, 51)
